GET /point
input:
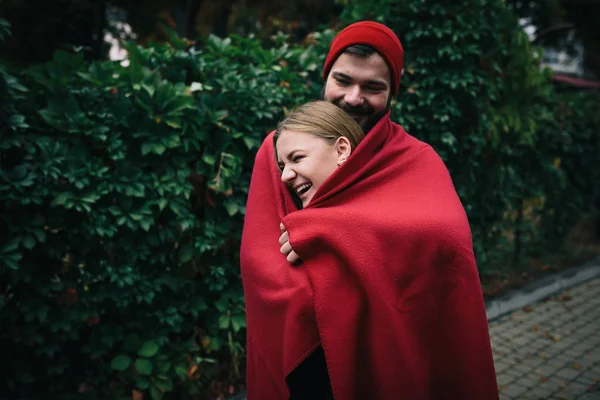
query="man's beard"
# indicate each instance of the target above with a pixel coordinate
(364, 115)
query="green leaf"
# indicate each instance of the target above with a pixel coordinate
(173, 124)
(143, 366)
(232, 207)
(163, 367)
(149, 89)
(148, 349)
(159, 149)
(186, 253)
(136, 217)
(224, 321)
(155, 393)
(238, 322)
(61, 199)
(146, 224)
(29, 242)
(147, 148)
(198, 303)
(209, 159)
(155, 148)
(162, 203)
(40, 235)
(251, 143)
(11, 245)
(120, 363)
(222, 305)
(234, 324)
(165, 385)
(181, 371)
(143, 382)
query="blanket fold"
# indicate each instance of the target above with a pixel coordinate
(388, 284)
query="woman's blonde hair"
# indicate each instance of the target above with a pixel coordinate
(322, 119)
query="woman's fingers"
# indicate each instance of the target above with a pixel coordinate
(284, 238)
(286, 248)
(293, 257)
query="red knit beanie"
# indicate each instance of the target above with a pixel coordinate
(375, 35)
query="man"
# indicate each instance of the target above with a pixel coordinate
(386, 302)
(361, 79)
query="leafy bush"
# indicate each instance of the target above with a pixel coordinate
(570, 144)
(122, 207)
(472, 87)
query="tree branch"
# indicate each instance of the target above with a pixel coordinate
(559, 27)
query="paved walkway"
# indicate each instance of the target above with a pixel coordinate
(551, 349)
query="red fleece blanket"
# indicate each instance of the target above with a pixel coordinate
(388, 283)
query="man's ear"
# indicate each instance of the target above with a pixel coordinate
(342, 148)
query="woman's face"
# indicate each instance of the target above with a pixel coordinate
(306, 161)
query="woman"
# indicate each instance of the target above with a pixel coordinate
(386, 303)
(310, 144)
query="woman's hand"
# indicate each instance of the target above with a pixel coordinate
(286, 247)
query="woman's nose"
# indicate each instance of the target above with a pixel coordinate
(287, 174)
(354, 96)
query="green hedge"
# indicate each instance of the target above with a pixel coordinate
(122, 189)
(473, 88)
(122, 205)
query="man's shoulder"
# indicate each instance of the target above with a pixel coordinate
(412, 141)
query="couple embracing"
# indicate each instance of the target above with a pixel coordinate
(357, 259)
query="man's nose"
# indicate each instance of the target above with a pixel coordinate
(287, 175)
(354, 96)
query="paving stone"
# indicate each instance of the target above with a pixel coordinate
(591, 376)
(522, 369)
(522, 341)
(502, 349)
(514, 390)
(501, 367)
(540, 392)
(553, 351)
(593, 354)
(528, 381)
(533, 362)
(568, 373)
(546, 369)
(574, 389)
(505, 378)
(590, 396)
(587, 364)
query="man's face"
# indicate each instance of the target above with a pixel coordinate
(361, 87)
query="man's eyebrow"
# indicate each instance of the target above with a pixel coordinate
(382, 84)
(341, 75)
(376, 82)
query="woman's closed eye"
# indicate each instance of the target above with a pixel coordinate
(295, 160)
